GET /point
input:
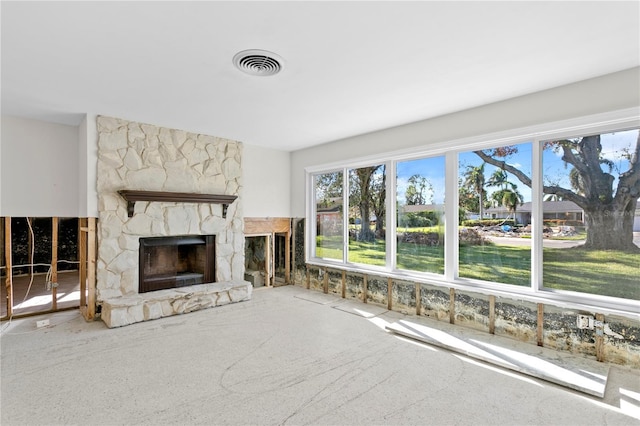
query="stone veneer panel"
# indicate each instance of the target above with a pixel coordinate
(139, 156)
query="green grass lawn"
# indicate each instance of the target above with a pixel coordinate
(603, 272)
(367, 253)
(329, 247)
(498, 263)
(416, 257)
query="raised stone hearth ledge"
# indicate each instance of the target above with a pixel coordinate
(125, 310)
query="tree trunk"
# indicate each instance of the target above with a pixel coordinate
(610, 227)
(365, 228)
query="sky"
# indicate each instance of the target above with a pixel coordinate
(614, 146)
(430, 168)
(554, 169)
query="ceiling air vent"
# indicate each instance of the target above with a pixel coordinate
(258, 62)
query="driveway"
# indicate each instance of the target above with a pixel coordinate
(511, 241)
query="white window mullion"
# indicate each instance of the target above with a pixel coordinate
(311, 214)
(451, 217)
(345, 215)
(390, 226)
(537, 223)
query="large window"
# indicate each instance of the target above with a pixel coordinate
(590, 213)
(495, 215)
(420, 214)
(329, 216)
(553, 216)
(367, 215)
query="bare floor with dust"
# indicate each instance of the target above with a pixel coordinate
(277, 359)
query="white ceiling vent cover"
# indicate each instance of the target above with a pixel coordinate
(258, 62)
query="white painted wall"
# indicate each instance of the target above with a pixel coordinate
(38, 169)
(50, 169)
(612, 92)
(87, 166)
(265, 177)
(1, 126)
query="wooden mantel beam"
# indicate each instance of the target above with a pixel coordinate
(131, 196)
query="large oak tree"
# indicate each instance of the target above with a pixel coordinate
(608, 211)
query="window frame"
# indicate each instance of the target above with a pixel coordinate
(450, 149)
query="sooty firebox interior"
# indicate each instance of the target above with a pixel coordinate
(177, 261)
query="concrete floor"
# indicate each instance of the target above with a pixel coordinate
(277, 359)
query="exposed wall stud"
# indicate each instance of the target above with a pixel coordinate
(599, 329)
(269, 258)
(389, 293)
(540, 331)
(8, 265)
(492, 314)
(325, 282)
(364, 288)
(344, 284)
(82, 257)
(452, 306)
(54, 263)
(287, 256)
(91, 269)
(418, 300)
(308, 281)
(293, 244)
(30, 246)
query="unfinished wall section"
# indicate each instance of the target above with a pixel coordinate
(538, 324)
(472, 310)
(377, 290)
(561, 332)
(403, 296)
(315, 278)
(354, 286)
(624, 350)
(334, 282)
(517, 319)
(434, 302)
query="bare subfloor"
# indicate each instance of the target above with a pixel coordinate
(281, 358)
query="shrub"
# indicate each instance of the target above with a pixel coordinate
(422, 238)
(471, 237)
(419, 219)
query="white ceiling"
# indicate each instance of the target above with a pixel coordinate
(349, 67)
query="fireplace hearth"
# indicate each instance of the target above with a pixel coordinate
(176, 261)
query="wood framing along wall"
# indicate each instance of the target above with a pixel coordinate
(86, 270)
(269, 227)
(535, 323)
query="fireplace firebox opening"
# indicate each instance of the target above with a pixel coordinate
(176, 261)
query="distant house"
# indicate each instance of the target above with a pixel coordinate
(329, 215)
(558, 210)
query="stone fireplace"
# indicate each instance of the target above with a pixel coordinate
(142, 158)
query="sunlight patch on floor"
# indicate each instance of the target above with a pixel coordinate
(559, 370)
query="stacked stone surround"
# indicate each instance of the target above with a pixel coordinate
(136, 156)
(121, 311)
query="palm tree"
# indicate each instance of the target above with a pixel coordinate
(474, 178)
(511, 198)
(498, 178)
